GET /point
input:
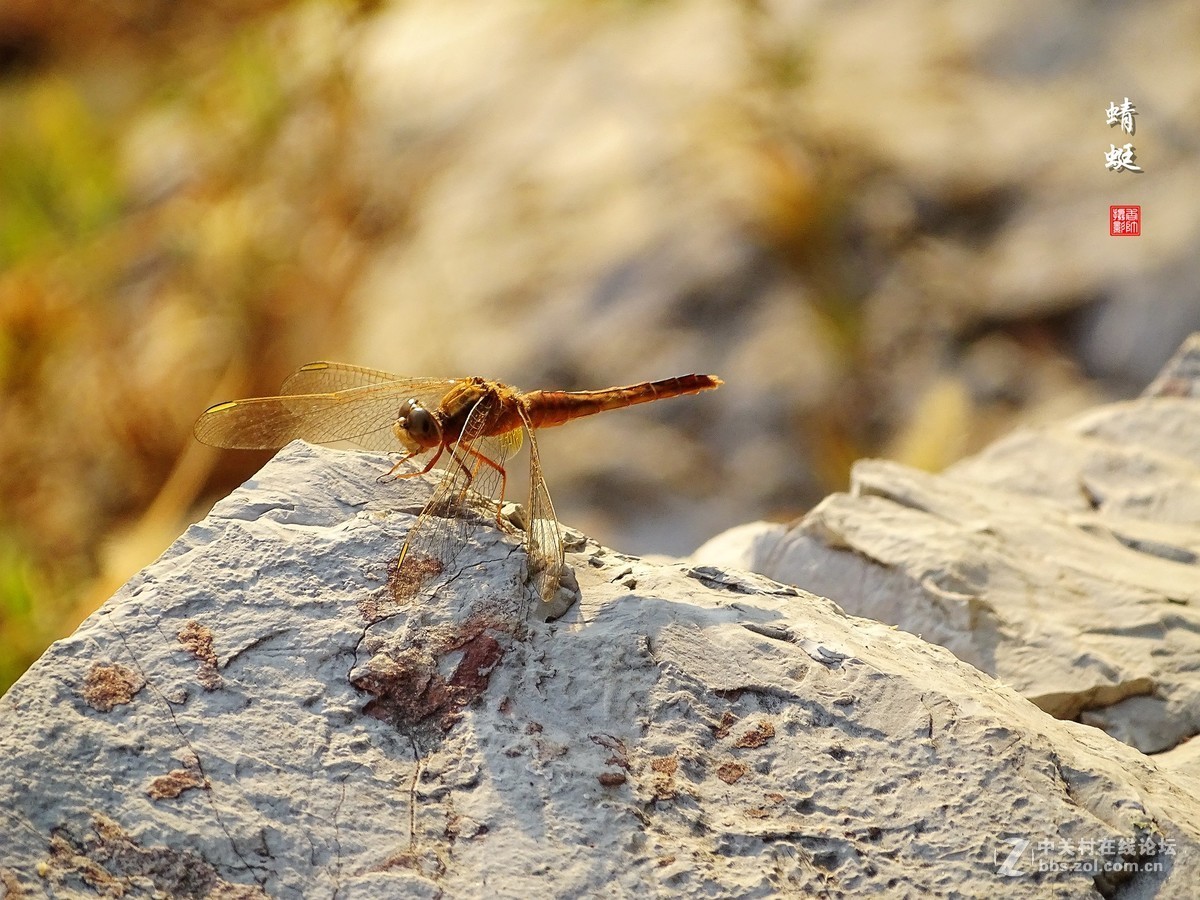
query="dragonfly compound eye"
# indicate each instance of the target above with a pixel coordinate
(418, 422)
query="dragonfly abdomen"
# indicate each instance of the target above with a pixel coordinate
(549, 408)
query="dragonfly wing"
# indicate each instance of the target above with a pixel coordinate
(362, 415)
(468, 489)
(331, 377)
(543, 535)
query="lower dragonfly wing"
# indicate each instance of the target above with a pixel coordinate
(472, 477)
(362, 415)
(543, 534)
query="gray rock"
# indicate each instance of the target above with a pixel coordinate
(1062, 560)
(254, 715)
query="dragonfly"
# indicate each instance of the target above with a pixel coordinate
(471, 425)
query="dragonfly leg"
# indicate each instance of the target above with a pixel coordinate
(473, 470)
(481, 459)
(469, 472)
(409, 456)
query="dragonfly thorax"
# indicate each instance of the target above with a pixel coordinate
(416, 427)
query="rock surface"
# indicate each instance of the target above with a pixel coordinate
(1063, 560)
(254, 715)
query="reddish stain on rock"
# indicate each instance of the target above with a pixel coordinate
(730, 772)
(664, 779)
(198, 641)
(722, 729)
(174, 783)
(110, 863)
(756, 736)
(408, 688)
(108, 685)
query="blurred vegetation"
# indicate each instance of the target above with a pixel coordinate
(151, 261)
(186, 210)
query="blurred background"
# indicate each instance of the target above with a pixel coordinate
(884, 224)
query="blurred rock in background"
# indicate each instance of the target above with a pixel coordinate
(883, 224)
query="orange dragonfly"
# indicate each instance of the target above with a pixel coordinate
(471, 424)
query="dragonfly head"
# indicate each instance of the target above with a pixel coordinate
(417, 428)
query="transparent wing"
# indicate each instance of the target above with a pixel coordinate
(543, 536)
(362, 415)
(474, 477)
(330, 377)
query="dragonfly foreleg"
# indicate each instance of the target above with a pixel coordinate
(406, 458)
